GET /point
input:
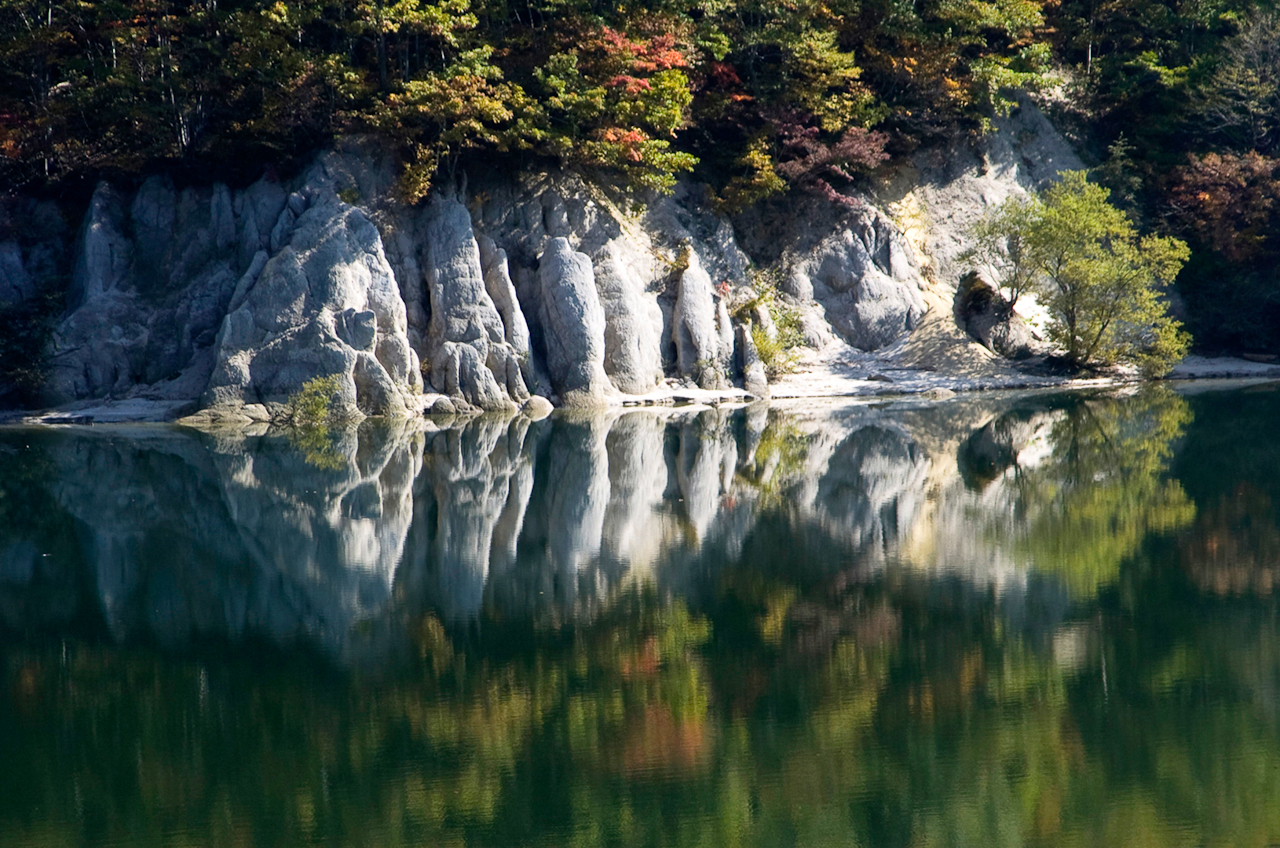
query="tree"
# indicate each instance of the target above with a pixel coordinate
(1099, 280)
(998, 245)
(1242, 99)
(616, 102)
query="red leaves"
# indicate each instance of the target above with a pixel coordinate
(629, 140)
(616, 42)
(640, 57)
(660, 54)
(812, 161)
(631, 85)
(721, 76)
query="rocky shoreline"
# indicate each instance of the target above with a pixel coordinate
(830, 382)
(214, 306)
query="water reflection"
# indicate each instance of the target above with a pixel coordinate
(328, 536)
(1040, 619)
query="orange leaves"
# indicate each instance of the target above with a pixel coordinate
(642, 56)
(630, 142)
(660, 55)
(1229, 201)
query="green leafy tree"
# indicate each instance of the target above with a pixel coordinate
(616, 102)
(440, 115)
(1099, 280)
(998, 242)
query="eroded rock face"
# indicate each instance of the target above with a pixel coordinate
(33, 248)
(502, 291)
(467, 341)
(531, 284)
(865, 276)
(701, 328)
(573, 325)
(326, 304)
(754, 379)
(633, 319)
(630, 259)
(151, 284)
(542, 286)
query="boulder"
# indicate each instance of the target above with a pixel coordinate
(573, 325)
(988, 318)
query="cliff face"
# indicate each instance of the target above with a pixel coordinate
(527, 285)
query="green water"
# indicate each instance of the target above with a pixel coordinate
(1002, 620)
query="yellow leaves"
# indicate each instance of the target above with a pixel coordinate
(277, 13)
(759, 181)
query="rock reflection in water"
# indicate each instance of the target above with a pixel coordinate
(183, 537)
(332, 538)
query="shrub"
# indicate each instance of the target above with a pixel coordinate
(778, 352)
(314, 404)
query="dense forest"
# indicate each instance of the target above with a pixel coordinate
(1176, 102)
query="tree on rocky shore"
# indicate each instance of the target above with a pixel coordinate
(1100, 280)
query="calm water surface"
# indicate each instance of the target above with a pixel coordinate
(1044, 620)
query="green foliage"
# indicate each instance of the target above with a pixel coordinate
(1240, 101)
(643, 91)
(318, 445)
(616, 102)
(316, 402)
(999, 243)
(778, 345)
(755, 177)
(1176, 84)
(1098, 279)
(439, 115)
(1104, 489)
(999, 78)
(310, 412)
(779, 456)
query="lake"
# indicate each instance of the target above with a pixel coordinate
(1041, 619)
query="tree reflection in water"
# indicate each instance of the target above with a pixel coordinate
(1033, 620)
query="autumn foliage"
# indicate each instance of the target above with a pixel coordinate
(757, 96)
